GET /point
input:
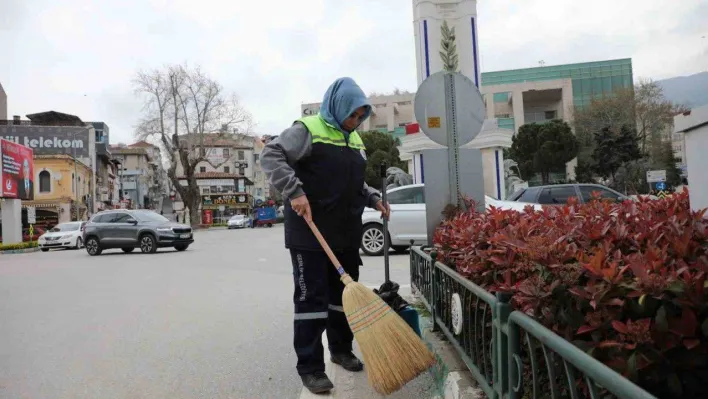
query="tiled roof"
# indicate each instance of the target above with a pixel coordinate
(214, 140)
(128, 151)
(141, 144)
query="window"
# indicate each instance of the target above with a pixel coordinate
(226, 153)
(202, 169)
(205, 190)
(227, 169)
(527, 195)
(73, 181)
(410, 195)
(550, 115)
(256, 157)
(122, 218)
(587, 193)
(214, 189)
(106, 218)
(241, 155)
(558, 195)
(45, 182)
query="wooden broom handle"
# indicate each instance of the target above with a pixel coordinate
(326, 247)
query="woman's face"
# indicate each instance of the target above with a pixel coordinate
(355, 119)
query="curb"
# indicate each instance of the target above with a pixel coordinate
(450, 374)
(19, 251)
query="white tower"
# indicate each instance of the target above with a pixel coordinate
(460, 16)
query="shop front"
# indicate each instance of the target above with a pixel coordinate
(218, 208)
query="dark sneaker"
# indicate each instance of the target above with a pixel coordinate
(348, 361)
(317, 382)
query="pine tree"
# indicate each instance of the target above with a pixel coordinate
(448, 52)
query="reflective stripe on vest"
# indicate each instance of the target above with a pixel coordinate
(323, 132)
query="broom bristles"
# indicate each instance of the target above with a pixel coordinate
(393, 353)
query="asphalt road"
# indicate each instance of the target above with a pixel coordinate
(212, 322)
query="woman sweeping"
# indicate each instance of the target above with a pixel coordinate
(318, 164)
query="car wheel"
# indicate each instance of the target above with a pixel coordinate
(270, 224)
(128, 250)
(372, 240)
(148, 244)
(79, 243)
(181, 247)
(44, 249)
(93, 247)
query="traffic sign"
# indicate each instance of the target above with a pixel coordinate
(31, 215)
(660, 186)
(449, 102)
(655, 176)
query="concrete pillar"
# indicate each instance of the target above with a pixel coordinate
(493, 161)
(517, 103)
(11, 221)
(428, 16)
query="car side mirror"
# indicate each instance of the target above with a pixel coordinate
(133, 222)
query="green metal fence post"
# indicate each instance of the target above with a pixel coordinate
(515, 366)
(433, 288)
(501, 345)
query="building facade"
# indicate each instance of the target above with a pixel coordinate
(134, 177)
(390, 113)
(62, 190)
(539, 94)
(222, 175)
(3, 104)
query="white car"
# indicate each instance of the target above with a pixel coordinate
(407, 220)
(63, 235)
(237, 222)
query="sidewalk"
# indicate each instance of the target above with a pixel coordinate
(349, 385)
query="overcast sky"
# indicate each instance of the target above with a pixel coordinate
(78, 56)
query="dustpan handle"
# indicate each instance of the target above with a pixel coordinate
(382, 172)
(327, 249)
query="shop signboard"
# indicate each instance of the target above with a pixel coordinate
(50, 140)
(224, 199)
(16, 171)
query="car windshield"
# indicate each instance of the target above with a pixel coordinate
(238, 217)
(149, 216)
(66, 227)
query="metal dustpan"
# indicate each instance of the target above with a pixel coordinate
(389, 289)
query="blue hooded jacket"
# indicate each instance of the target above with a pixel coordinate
(342, 98)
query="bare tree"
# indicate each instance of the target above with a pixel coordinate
(643, 106)
(182, 105)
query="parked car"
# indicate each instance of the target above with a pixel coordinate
(558, 194)
(130, 229)
(407, 221)
(237, 222)
(63, 235)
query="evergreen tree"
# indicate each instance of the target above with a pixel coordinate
(543, 148)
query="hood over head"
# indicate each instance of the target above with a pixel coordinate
(342, 98)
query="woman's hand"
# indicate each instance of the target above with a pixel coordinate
(384, 209)
(302, 206)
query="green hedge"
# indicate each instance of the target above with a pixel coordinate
(21, 245)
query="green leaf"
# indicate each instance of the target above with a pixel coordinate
(662, 323)
(675, 385)
(632, 366)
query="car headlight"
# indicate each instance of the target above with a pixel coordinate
(41, 238)
(65, 237)
(164, 229)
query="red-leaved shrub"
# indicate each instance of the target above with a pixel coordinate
(626, 282)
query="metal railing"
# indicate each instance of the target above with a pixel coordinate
(509, 354)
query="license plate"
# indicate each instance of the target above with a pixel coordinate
(184, 235)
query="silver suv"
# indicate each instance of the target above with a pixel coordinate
(130, 229)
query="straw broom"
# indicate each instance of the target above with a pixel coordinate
(393, 353)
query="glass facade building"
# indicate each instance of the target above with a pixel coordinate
(590, 79)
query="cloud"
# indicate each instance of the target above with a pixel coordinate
(278, 54)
